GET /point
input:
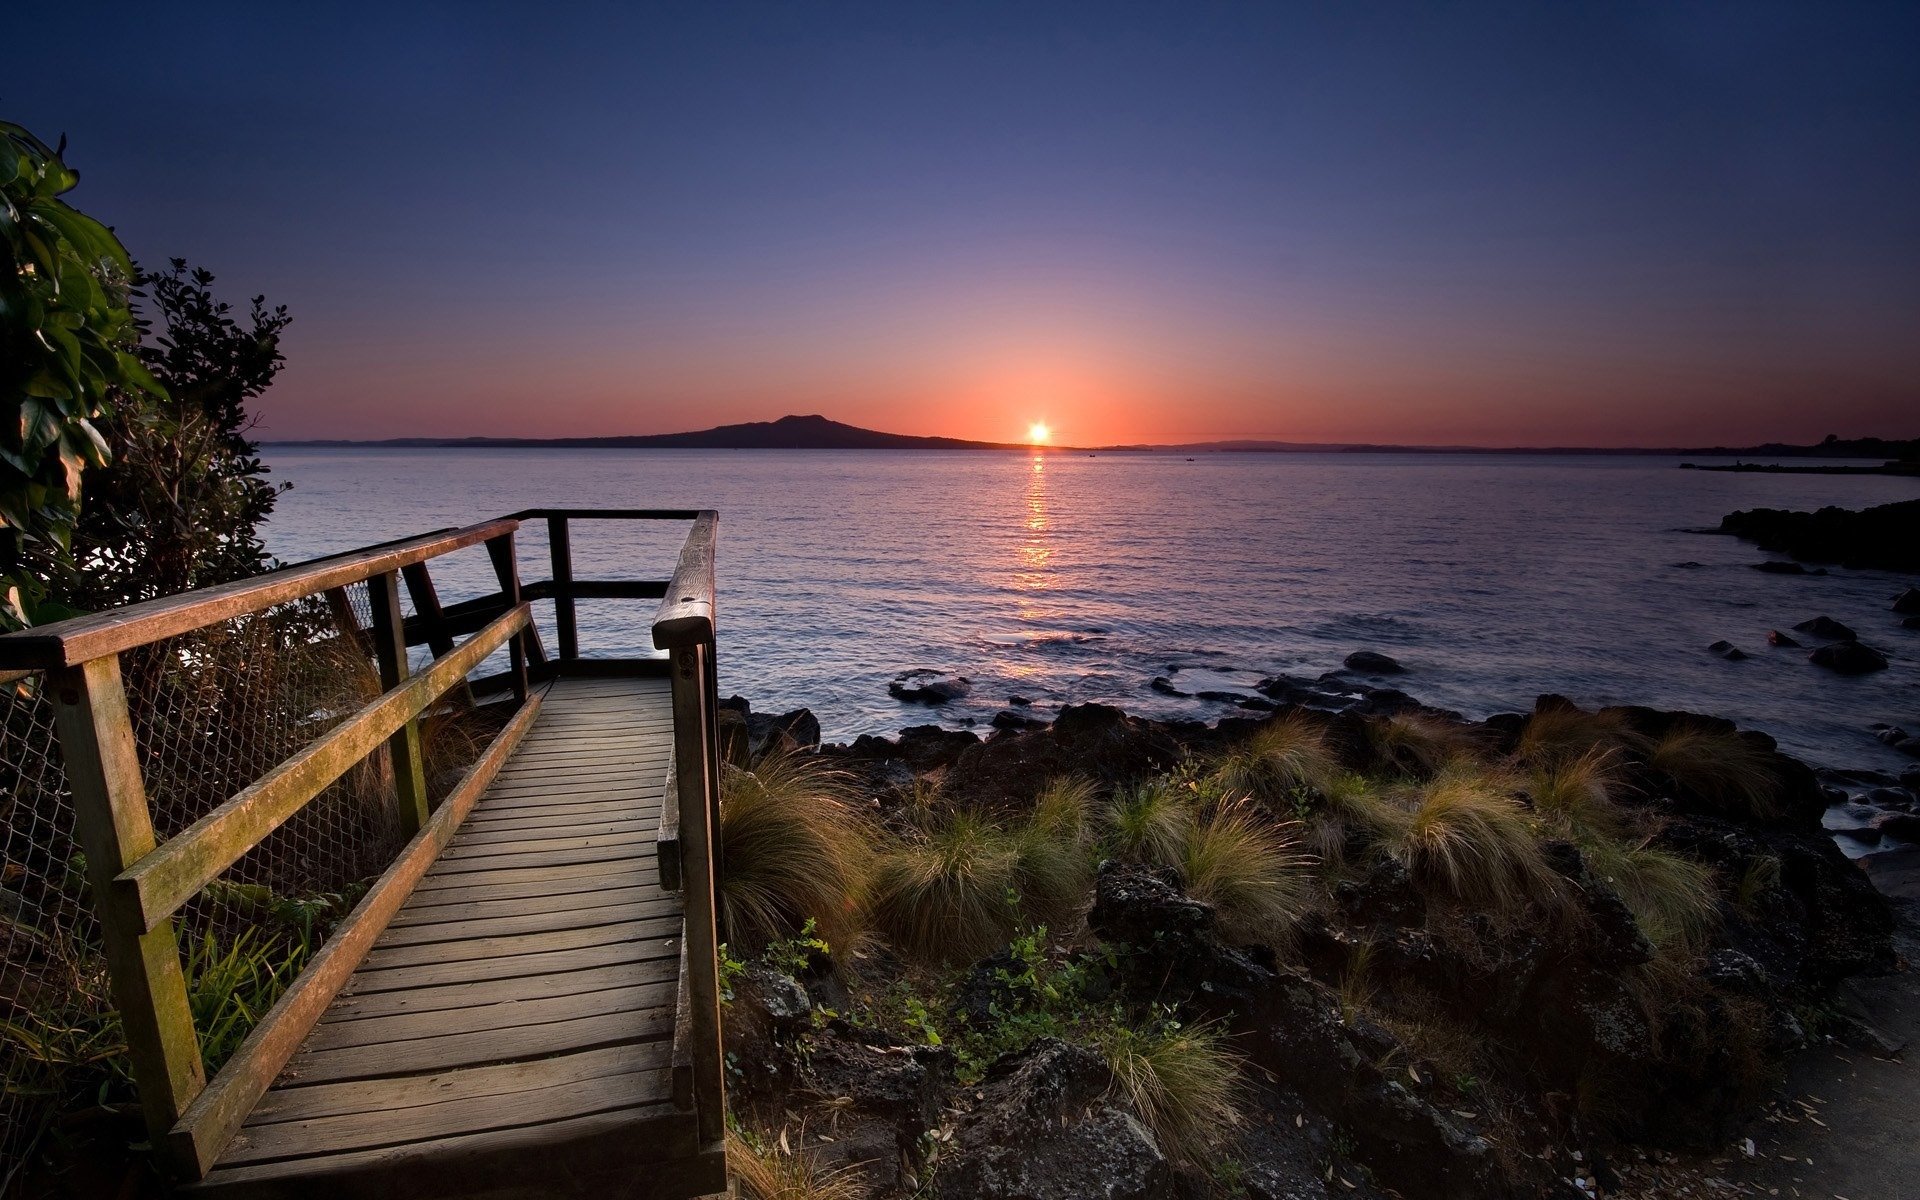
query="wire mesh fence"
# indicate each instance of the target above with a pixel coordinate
(212, 711)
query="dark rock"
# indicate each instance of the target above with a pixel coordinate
(778, 997)
(1167, 939)
(796, 730)
(1849, 658)
(1020, 701)
(1732, 971)
(1900, 826)
(1910, 623)
(1164, 685)
(1886, 537)
(1084, 739)
(1783, 640)
(1615, 939)
(1386, 896)
(886, 1097)
(1373, 663)
(1689, 565)
(1826, 629)
(924, 686)
(930, 746)
(1900, 740)
(1047, 1128)
(1009, 718)
(1727, 650)
(1910, 778)
(1776, 567)
(1907, 601)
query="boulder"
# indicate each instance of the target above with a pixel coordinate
(1013, 718)
(1900, 740)
(1164, 685)
(1373, 663)
(1910, 623)
(1046, 1126)
(1826, 629)
(1907, 601)
(924, 686)
(1727, 650)
(1849, 658)
(930, 746)
(1783, 640)
(886, 1097)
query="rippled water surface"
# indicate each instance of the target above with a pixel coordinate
(1072, 578)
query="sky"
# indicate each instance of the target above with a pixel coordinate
(1568, 223)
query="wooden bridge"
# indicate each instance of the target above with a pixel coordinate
(526, 1000)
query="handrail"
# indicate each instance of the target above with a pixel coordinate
(78, 639)
(686, 614)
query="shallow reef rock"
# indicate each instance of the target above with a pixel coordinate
(1372, 662)
(925, 686)
(1886, 537)
(747, 736)
(1826, 629)
(1849, 658)
(1046, 1127)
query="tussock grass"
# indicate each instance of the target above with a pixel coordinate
(1576, 795)
(1251, 871)
(1759, 876)
(1052, 863)
(1463, 833)
(1148, 823)
(1415, 744)
(1287, 754)
(1557, 735)
(947, 894)
(1722, 768)
(769, 1173)
(1184, 1082)
(1675, 900)
(793, 846)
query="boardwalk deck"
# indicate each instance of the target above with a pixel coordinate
(512, 1030)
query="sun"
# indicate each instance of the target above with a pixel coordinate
(1039, 434)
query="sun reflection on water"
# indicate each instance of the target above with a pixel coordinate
(1033, 578)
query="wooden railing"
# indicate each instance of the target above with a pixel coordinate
(139, 883)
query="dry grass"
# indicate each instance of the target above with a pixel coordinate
(1417, 745)
(1251, 872)
(793, 847)
(1148, 823)
(1724, 769)
(1184, 1082)
(1286, 755)
(1464, 834)
(948, 894)
(1575, 795)
(769, 1173)
(1557, 735)
(1675, 900)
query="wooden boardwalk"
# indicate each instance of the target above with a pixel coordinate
(512, 1031)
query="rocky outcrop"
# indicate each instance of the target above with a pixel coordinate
(924, 686)
(1886, 537)
(1826, 629)
(747, 736)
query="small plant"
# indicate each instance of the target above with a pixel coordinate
(1468, 836)
(1287, 755)
(1675, 900)
(770, 1172)
(795, 955)
(1759, 876)
(1416, 745)
(1720, 767)
(231, 986)
(792, 847)
(942, 895)
(1250, 871)
(1148, 823)
(1051, 861)
(1576, 795)
(1184, 1082)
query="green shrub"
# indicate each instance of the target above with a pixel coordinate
(1052, 865)
(948, 893)
(1555, 735)
(769, 1172)
(1675, 900)
(1184, 1082)
(1575, 795)
(1250, 871)
(792, 847)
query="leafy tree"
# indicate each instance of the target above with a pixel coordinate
(66, 335)
(181, 504)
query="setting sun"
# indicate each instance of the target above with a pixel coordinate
(1038, 433)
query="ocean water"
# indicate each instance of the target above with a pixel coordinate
(1067, 578)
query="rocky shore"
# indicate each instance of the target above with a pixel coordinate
(1540, 1020)
(1886, 538)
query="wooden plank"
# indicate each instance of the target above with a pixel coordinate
(686, 615)
(78, 639)
(480, 993)
(611, 875)
(394, 1096)
(515, 906)
(113, 827)
(482, 1017)
(426, 603)
(616, 821)
(367, 983)
(620, 851)
(682, 1062)
(697, 785)
(586, 1156)
(459, 882)
(403, 747)
(414, 935)
(634, 835)
(385, 957)
(666, 849)
(197, 1139)
(157, 885)
(525, 648)
(560, 551)
(562, 815)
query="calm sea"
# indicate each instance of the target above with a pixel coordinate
(1070, 578)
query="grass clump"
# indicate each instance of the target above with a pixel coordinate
(1675, 900)
(1250, 871)
(766, 1172)
(1415, 744)
(1052, 864)
(1287, 755)
(1148, 823)
(1183, 1081)
(948, 894)
(1465, 834)
(1720, 767)
(1556, 735)
(1576, 795)
(792, 847)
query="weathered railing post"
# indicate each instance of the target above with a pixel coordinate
(506, 568)
(390, 651)
(565, 622)
(115, 830)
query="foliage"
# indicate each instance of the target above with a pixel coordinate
(65, 339)
(792, 847)
(772, 1172)
(232, 984)
(949, 893)
(1283, 756)
(1554, 735)
(1147, 822)
(1183, 1081)
(181, 503)
(1466, 835)
(1675, 900)
(1575, 794)
(1415, 744)
(1720, 767)
(1249, 870)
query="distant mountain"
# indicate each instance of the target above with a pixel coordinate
(816, 432)
(788, 433)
